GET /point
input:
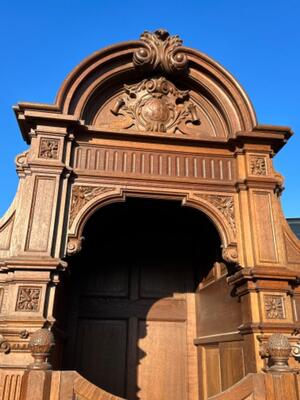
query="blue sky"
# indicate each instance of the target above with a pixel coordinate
(257, 41)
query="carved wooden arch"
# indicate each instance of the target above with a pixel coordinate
(216, 91)
(204, 202)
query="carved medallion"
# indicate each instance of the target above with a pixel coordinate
(258, 165)
(49, 148)
(28, 298)
(274, 307)
(83, 194)
(156, 105)
(224, 204)
(160, 51)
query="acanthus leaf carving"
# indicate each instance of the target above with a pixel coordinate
(225, 204)
(156, 105)
(81, 195)
(161, 51)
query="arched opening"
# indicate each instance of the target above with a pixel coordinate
(131, 300)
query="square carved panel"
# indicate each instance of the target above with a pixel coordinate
(28, 298)
(258, 165)
(274, 307)
(49, 148)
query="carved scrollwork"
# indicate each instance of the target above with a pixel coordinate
(156, 105)
(161, 51)
(225, 204)
(230, 254)
(82, 195)
(21, 162)
(74, 246)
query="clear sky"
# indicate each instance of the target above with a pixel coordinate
(257, 41)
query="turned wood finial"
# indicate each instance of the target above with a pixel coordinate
(279, 350)
(40, 344)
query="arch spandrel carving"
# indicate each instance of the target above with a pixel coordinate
(87, 199)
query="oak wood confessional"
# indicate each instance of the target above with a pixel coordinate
(147, 235)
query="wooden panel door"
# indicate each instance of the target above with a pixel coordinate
(132, 332)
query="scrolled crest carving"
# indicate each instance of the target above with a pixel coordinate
(161, 51)
(156, 105)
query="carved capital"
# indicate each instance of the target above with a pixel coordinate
(161, 51)
(40, 344)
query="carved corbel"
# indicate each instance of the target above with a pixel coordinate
(74, 246)
(230, 254)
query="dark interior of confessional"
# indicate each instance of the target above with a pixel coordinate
(127, 293)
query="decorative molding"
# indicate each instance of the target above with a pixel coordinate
(49, 148)
(274, 307)
(82, 195)
(258, 165)
(161, 51)
(225, 204)
(28, 298)
(165, 165)
(156, 105)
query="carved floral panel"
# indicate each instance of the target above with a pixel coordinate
(274, 307)
(49, 148)
(28, 298)
(258, 165)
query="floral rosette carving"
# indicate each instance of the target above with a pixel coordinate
(161, 51)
